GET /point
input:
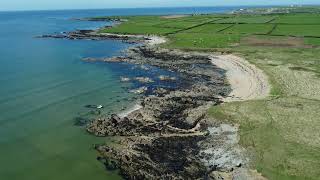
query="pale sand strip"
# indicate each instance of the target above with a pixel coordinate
(152, 40)
(247, 81)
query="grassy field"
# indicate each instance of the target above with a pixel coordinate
(209, 28)
(298, 30)
(201, 40)
(282, 132)
(212, 26)
(299, 19)
(245, 19)
(250, 29)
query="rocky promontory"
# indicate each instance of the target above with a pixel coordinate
(169, 137)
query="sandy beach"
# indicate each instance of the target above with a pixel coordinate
(246, 80)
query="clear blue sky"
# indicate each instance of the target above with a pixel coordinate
(6, 5)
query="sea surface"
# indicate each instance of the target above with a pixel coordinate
(45, 86)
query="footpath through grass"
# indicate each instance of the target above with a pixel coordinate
(281, 132)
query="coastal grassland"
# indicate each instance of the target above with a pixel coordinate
(247, 19)
(141, 25)
(312, 41)
(298, 30)
(158, 25)
(208, 28)
(299, 19)
(178, 24)
(131, 28)
(201, 40)
(281, 132)
(250, 29)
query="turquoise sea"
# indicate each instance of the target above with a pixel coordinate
(44, 86)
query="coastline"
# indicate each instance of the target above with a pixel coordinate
(247, 109)
(171, 118)
(246, 80)
(144, 121)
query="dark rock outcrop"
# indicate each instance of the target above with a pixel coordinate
(94, 35)
(160, 140)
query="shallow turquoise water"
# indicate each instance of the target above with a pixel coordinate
(44, 85)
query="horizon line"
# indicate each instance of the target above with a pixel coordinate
(277, 5)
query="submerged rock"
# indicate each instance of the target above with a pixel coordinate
(140, 90)
(166, 78)
(124, 79)
(144, 79)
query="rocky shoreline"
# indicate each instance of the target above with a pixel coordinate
(95, 35)
(169, 137)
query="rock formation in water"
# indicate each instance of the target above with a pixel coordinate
(168, 137)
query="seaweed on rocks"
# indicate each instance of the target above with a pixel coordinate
(168, 138)
(171, 157)
(161, 140)
(94, 35)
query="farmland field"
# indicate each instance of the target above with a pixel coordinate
(312, 41)
(209, 28)
(131, 28)
(247, 19)
(201, 40)
(250, 29)
(299, 19)
(199, 18)
(178, 24)
(297, 30)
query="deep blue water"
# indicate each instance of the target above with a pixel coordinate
(44, 85)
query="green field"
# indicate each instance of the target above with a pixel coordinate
(299, 19)
(284, 129)
(281, 132)
(208, 28)
(250, 29)
(178, 24)
(312, 41)
(211, 26)
(202, 18)
(201, 40)
(247, 19)
(298, 30)
(139, 29)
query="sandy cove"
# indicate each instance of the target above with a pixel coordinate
(213, 148)
(170, 134)
(219, 152)
(247, 83)
(246, 80)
